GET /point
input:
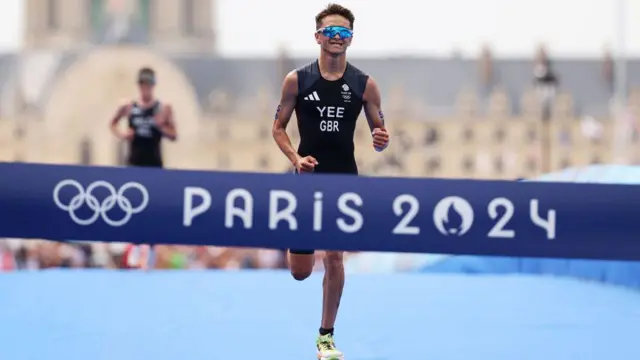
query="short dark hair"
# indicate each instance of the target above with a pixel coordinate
(335, 9)
(146, 75)
(146, 71)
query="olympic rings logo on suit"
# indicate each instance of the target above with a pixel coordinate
(100, 209)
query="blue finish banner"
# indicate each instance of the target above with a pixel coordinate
(328, 212)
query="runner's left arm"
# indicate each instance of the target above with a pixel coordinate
(375, 117)
(167, 123)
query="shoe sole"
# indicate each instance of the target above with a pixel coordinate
(320, 357)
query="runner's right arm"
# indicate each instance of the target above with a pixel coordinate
(122, 111)
(281, 120)
(283, 115)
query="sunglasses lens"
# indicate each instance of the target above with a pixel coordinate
(345, 34)
(328, 32)
(332, 31)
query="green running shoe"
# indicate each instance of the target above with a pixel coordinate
(327, 348)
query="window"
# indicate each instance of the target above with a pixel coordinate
(265, 132)
(19, 131)
(467, 134)
(188, 17)
(499, 135)
(263, 163)
(94, 12)
(144, 14)
(564, 137)
(498, 165)
(224, 162)
(432, 165)
(532, 135)
(86, 152)
(122, 153)
(52, 15)
(431, 136)
(468, 164)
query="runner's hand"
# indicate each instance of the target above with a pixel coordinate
(380, 138)
(306, 164)
(127, 134)
(160, 121)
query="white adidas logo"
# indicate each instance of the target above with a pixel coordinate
(313, 97)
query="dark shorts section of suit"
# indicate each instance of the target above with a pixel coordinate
(302, 252)
(140, 161)
(152, 164)
(311, 252)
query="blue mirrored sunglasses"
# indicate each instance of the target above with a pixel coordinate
(332, 31)
(146, 79)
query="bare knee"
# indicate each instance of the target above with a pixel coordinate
(300, 274)
(301, 265)
(333, 260)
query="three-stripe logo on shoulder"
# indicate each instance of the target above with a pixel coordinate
(312, 97)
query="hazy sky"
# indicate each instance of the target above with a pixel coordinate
(513, 27)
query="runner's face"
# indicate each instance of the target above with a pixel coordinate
(146, 89)
(334, 45)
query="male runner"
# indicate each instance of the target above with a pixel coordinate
(149, 122)
(328, 96)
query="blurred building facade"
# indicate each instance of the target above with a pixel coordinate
(170, 25)
(484, 118)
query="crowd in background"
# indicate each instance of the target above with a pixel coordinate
(18, 254)
(40, 254)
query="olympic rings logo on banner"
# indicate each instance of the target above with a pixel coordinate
(100, 209)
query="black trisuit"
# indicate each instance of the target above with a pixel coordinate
(145, 146)
(327, 112)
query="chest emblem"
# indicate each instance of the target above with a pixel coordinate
(346, 93)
